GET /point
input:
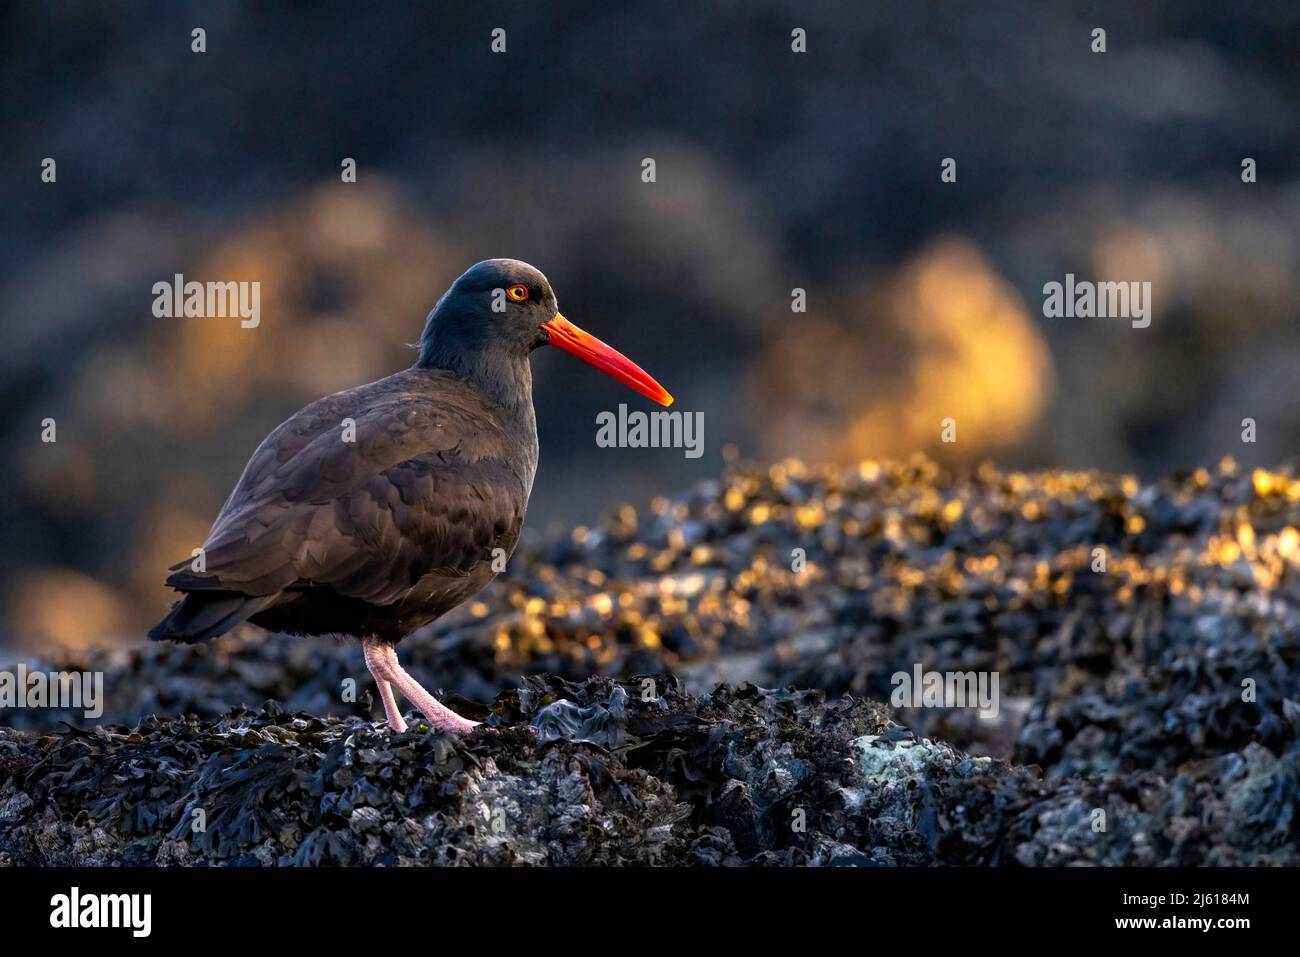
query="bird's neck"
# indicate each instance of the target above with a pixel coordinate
(505, 378)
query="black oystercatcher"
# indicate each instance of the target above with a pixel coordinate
(373, 511)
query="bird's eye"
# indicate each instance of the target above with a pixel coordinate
(518, 292)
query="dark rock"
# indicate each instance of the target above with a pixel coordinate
(1147, 712)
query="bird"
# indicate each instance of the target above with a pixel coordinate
(374, 511)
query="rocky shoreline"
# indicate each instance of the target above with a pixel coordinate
(1146, 639)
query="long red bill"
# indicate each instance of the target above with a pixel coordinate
(607, 359)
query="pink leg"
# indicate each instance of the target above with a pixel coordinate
(440, 717)
(377, 662)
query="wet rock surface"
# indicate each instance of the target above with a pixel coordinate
(1145, 637)
(742, 776)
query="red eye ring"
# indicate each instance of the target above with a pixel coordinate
(518, 292)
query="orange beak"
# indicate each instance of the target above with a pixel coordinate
(607, 359)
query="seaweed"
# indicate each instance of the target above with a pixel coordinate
(693, 695)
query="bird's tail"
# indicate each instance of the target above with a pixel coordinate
(201, 615)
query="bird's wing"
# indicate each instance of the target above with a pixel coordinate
(427, 485)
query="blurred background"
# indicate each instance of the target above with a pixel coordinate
(774, 171)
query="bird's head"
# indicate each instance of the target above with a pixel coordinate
(507, 305)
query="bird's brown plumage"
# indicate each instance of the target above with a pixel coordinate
(377, 536)
(373, 511)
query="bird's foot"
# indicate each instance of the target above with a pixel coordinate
(397, 725)
(381, 659)
(448, 720)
